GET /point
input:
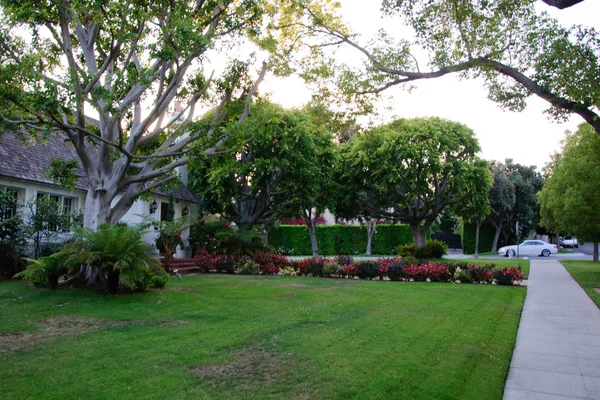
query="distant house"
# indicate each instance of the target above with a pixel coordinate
(23, 173)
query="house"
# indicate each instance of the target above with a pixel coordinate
(23, 173)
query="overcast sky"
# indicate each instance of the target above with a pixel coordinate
(528, 137)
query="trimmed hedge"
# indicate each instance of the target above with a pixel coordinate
(339, 239)
(486, 238)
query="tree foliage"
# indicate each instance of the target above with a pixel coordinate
(571, 194)
(411, 170)
(118, 77)
(274, 172)
(517, 50)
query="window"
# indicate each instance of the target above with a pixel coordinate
(54, 209)
(9, 209)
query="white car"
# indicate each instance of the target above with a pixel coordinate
(529, 248)
(569, 241)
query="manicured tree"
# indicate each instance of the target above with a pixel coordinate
(128, 64)
(411, 170)
(274, 172)
(527, 182)
(348, 204)
(476, 207)
(571, 194)
(502, 201)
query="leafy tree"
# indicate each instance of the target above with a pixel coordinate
(570, 195)
(527, 183)
(476, 207)
(411, 170)
(502, 200)
(516, 50)
(128, 64)
(274, 173)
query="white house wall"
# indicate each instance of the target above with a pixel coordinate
(139, 211)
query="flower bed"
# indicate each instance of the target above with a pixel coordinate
(393, 269)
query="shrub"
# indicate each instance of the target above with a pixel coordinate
(114, 250)
(410, 260)
(508, 276)
(344, 260)
(303, 266)
(436, 248)
(219, 262)
(339, 239)
(10, 260)
(480, 274)
(47, 269)
(406, 250)
(331, 269)
(263, 258)
(395, 271)
(269, 269)
(159, 280)
(349, 270)
(250, 268)
(288, 271)
(317, 266)
(436, 272)
(367, 269)
(462, 275)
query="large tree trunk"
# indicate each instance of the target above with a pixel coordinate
(371, 227)
(477, 230)
(496, 237)
(419, 233)
(557, 238)
(595, 256)
(97, 210)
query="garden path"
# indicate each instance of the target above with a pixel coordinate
(557, 355)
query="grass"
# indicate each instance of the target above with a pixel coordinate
(257, 337)
(587, 274)
(500, 263)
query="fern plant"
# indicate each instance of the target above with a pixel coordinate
(116, 250)
(46, 269)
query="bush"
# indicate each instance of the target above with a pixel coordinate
(344, 260)
(269, 269)
(278, 260)
(115, 250)
(250, 268)
(508, 276)
(331, 269)
(47, 269)
(367, 269)
(317, 266)
(159, 280)
(218, 262)
(10, 260)
(406, 250)
(395, 271)
(289, 271)
(339, 239)
(349, 270)
(480, 274)
(436, 248)
(410, 260)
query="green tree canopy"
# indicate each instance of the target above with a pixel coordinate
(571, 193)
(275, 171)
(412, 169)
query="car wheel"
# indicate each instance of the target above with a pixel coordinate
(546, 253)
(576, 246)
(510, 253)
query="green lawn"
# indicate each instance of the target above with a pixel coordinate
(225, 336)
(500, 263)
(587, 274)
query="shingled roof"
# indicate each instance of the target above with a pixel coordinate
(30, 162)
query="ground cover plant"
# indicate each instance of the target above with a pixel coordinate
(403, 269)
(499, 263)
(587, 274)
(225, 336)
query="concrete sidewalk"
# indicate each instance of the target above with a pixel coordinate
(557, 355)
